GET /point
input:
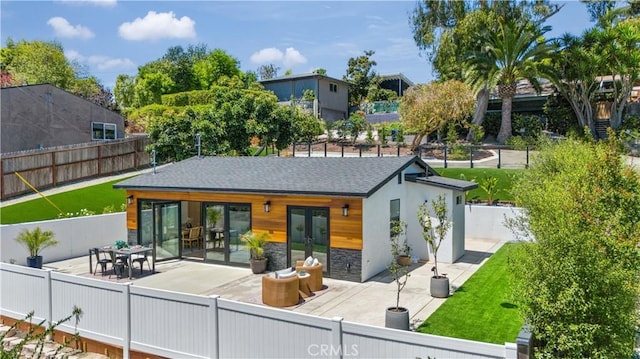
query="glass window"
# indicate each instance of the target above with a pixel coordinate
(103, 131)
(394, 209)
(333, 87)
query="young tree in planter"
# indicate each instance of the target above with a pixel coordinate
(398, 317)
(434, 236)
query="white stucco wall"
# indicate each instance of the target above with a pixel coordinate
(376, 249)
(75, 236)
(488, 222)
(452, 247)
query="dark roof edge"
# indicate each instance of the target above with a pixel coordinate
(447, 183)
(417, 160)
(219, 190)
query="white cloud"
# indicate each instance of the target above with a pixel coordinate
(291, 57)
(266, 56)
(156, 26)
(103, 3)
(100, 63)
(62, 27)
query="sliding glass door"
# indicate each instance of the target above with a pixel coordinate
(159, 228)
(224, 223)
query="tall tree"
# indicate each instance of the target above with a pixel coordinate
(214, 66)
(428, 108)
(574, 75)
(576, 278)
(515, 51)
(447, 30)
(38, 62)
(267, 72)
(360, 75)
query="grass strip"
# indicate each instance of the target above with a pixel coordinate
(93, 198)
(506, 178)
(481, 308)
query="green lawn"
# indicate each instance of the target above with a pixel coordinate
(480, 310)
(93, 198)
(505, 180)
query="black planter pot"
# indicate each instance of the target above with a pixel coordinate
(34, 262)
(439, 287)
(258, 265)
(397, 318)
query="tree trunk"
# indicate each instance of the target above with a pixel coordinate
(505, 125)
(482, 103)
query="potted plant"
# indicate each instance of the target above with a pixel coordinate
(213, 215)
(36, 240)
(434, 236)
(255, 244)
(397, 317)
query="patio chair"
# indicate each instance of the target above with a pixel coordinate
(315, 271)
(117, 264)
(102, 261)
(194, 236)
(280, 292)
(141, 258)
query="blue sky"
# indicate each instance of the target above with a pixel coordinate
(111, 37)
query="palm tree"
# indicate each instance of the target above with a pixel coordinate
(515, 51)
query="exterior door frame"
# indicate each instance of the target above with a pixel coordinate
(155, 204)
(308, 214)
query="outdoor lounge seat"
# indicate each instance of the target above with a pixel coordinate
(315, 282)
(280, 292)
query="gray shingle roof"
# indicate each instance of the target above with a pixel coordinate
(340, 176)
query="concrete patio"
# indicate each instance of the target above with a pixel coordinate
(356, 302)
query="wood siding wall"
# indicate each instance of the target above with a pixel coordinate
(345, 232)
(51, 167)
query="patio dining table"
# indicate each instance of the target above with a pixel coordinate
(129, 252)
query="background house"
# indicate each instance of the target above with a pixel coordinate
(336, 209)
(387, 111)
(331, 96)
(41, 116)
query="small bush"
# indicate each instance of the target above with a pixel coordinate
(517, 143)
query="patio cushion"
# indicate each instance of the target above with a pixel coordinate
(287, 275)
(308, 262)
(280, 272)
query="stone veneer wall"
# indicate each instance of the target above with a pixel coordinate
(132, 236)
(277, 254)
(346, 264)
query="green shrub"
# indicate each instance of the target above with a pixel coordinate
(517, 143)
(560, 116)
(491, 123)
(531, 124)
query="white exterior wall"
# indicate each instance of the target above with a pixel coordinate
(488, 222)
(75, 236)
(452, 247)
(376, 249)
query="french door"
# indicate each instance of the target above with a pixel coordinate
(224, 223)
(308, 234)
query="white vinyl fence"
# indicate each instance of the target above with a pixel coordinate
(181, 325)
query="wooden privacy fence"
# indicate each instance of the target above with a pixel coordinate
(59, 165)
